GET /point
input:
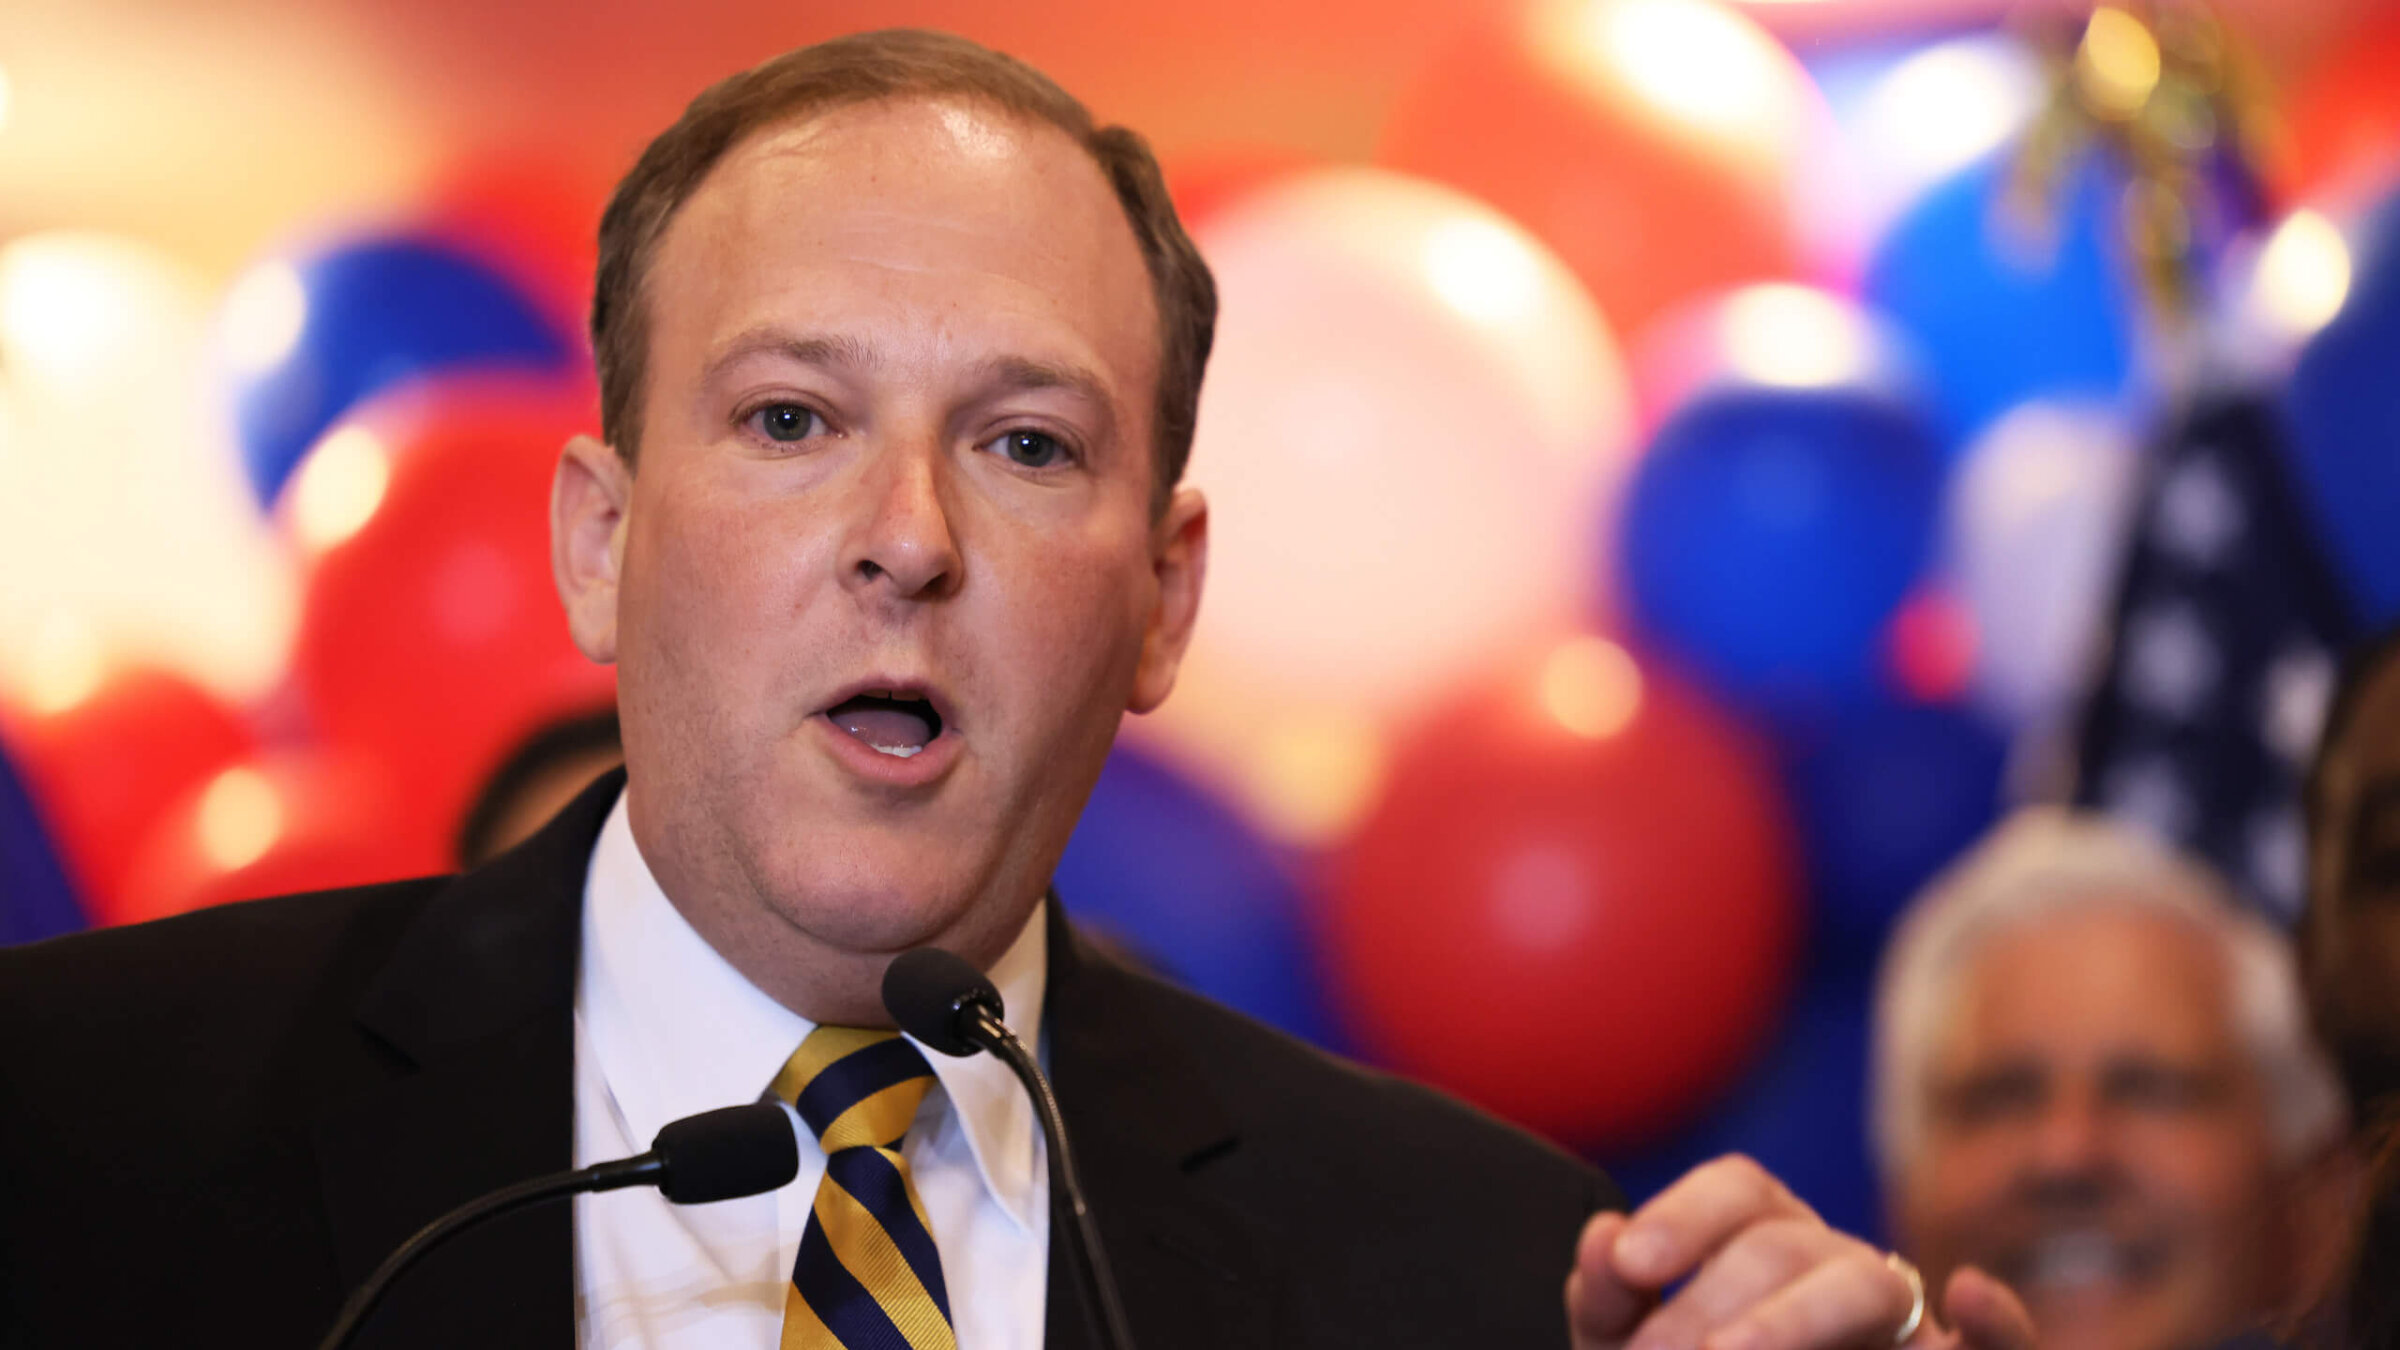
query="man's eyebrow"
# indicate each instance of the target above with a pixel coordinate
(1018, 374)
(834, 350)
(1021, 373)
(1000, 374)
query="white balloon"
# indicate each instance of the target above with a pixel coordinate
(126, 532)
(1411, 419)
(2036, 528)
(1905, 125)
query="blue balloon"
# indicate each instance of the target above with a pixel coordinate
(1187, 889)
(1998, 317)
(1885, 794)
(380, 312)
(1801, 1112)
(36, 899)
(2343, 408)
(1770, 533)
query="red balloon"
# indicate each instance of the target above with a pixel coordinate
(105, 769)
(2342, 136)
(1929, 646)
(1577, 903)
(532, 217)
(279, 826)
(431, 638)
(1205, 184)
(1651, 143)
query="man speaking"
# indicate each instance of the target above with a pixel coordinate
(899, 358)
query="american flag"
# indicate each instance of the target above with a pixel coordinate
(2227, 633)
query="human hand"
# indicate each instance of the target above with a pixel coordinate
(1762, 1272)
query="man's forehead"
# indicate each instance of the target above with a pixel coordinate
(2116, 962)
(921, 184)
(991, 168)
(961, 127)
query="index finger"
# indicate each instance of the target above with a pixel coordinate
(1683, 1225)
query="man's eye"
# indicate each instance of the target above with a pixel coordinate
(785, 422)
(1032, 449)
(1989, 1098)
(2160, 1088)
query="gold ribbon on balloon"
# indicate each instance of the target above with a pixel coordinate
(2161, 89)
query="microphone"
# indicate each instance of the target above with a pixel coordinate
(946, 1003)
(716, 1155)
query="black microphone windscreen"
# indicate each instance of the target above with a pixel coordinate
(727, 1153)
(924, 990)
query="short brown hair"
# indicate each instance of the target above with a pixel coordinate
(865, 67)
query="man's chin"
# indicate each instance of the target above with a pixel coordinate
(897, 912)
(2092, 1321)
(2122, 1314)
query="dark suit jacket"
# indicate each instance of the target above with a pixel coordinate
(213, 1126)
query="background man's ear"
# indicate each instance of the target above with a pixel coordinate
(1180, 560)
(589, 498)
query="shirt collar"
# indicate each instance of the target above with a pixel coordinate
(678, 1030)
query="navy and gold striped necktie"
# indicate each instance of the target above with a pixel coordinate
(868, 1277)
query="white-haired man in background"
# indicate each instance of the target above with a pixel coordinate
(2093, 1079)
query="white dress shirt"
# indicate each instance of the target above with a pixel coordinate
(665, 1027)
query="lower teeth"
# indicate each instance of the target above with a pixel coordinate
(899, 751)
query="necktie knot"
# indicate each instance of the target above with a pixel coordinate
(854, 1086)
(868, 1275)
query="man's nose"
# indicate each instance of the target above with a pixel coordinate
(904, 545)
(2071, 1135)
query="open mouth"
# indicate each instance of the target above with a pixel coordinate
(892, 722)
(2082, 1261)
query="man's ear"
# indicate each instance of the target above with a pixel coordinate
(590, 497)
(1179, 559)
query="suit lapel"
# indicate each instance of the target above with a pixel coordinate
(475, 1015)
(1145, 1132)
